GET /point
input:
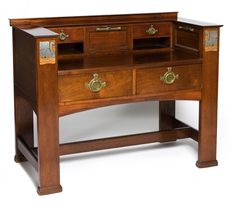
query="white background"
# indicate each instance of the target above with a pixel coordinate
(144, 176)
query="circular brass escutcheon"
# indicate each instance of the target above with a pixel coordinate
(169, 77)
(95, 85)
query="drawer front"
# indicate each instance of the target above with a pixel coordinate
(151, 30)
(163, 79)
(187, 36)
(101, 39)
(69, 34)
(82, 86)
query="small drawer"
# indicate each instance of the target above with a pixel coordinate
(187, 36)
(69, 34)
(163, 79)
(95, 85)
(107, 39)
(151, 30)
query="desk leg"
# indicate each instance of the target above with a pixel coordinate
(166, 112)
(208, 104)
(48, 129)
(48, 154)
(23, 125)
(207, 134)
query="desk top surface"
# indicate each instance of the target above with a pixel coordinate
(137, 60)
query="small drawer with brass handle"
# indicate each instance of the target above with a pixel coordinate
(69, 34)
(95, 85)
(151, 30)
(169, 77)
(162, 79)
(86, 85)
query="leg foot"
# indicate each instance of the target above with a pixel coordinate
(49, 190)
(19, 159)
(206, 164)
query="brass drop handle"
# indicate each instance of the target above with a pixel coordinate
(95, 85)
(107, 28)
(169, 77)
(151, 30)
(63, 35)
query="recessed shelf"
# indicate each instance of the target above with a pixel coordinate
(151, 43)
(70, 48)
(101, 62)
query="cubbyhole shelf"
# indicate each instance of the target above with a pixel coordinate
(151, 43)
(70, 49)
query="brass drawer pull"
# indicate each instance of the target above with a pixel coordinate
(102, 29)
(95, 85)
(186, 28)
(151, 30)
(63, 35)
(169, 77)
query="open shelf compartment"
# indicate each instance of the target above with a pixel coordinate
(151, 43)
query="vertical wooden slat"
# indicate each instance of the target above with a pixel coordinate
(134, 88)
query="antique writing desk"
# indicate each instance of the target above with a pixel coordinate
(70, 64)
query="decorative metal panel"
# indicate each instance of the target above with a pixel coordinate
(47, 52)
(211, 40)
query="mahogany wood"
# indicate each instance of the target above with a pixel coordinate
(107, 41)
(163, 30)
(131, 60)
(122, 141)
(72, 107)
(187, 36)
(142, 59)
(72, 87)
(23, 125)
(48, 124)
(94, 20)
(208, 109)
(24, 66)
(189, 78)
(166, 114)
(24, 99)
(28, 153)
(75, 34)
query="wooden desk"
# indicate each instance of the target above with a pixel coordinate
(71, 64)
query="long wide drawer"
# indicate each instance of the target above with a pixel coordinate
(92, 85)
(163, 79)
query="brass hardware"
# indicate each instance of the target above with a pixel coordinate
(95, 85)
(187, 28)
(63, 35)
(107, 28)
(151, 30)
(169, 77)
(99, 29)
